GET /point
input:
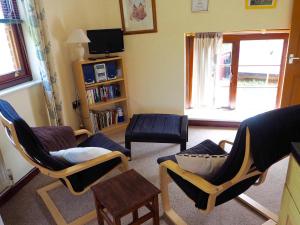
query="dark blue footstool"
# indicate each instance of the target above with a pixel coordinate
(160, 128)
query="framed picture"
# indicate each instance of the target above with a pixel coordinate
(138, 16)
(260, 4)
(199, 5)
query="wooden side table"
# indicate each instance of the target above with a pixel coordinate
(124, 194)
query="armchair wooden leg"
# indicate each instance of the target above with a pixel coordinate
(124, 164)
(169, 212)
(57, 216)
(249, 202)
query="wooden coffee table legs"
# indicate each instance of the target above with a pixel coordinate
(155, 211)
(123, 195)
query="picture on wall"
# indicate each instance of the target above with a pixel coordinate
(138, 16)
(260, 4)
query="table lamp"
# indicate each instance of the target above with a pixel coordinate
(77, 37)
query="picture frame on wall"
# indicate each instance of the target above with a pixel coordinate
(138, 16)
(199, 5)
(260, 4)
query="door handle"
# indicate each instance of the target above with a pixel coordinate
(292, 58)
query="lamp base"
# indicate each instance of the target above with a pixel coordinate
(79, 52)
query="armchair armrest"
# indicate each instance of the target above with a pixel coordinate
(82, 132)
(194, 179)
(85, 165)
(223, 142)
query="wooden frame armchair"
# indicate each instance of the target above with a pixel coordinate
(246, 165)
(244, 173)
(64, 174)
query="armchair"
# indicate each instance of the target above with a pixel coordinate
(77, 178)
(260, 142)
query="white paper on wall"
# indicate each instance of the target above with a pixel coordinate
(199, 5)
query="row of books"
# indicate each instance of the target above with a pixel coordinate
(103, 93)
(106, 118)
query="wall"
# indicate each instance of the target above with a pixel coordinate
(62, 17)
(154, 62)
(29, 103)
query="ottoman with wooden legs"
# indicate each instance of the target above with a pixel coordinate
(160, 128)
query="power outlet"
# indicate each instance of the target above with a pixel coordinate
(76, 104)
(9, 174)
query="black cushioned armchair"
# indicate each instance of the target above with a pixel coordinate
(260, 142)
(77, 178)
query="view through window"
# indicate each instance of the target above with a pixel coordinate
(14, 66)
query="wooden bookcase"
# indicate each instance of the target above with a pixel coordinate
(87, 108)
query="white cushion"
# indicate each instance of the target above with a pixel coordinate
(80, 154)
(204, 165)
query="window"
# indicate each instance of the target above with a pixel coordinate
(250, 71)
(14, 67)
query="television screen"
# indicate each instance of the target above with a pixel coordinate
(105, 41)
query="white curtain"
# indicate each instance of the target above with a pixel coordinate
(206, 51)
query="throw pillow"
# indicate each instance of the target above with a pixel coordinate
(80, 154)
(204, 165)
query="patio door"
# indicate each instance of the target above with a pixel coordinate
(291, 93)
(251, 71)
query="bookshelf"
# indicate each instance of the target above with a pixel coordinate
(93, 105)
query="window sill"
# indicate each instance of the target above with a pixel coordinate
(19, 87)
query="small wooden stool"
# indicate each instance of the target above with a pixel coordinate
(124, 194)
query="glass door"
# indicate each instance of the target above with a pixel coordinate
(258, 73)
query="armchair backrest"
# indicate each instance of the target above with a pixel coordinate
(269, 139)
(25, 141)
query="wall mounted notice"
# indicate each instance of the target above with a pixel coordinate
(199, 5)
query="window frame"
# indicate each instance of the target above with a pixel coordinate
(15, 77)
(235, 39)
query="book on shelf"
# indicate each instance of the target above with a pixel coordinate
(103, 93)
(106, 118)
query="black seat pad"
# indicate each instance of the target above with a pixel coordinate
(84, 178)
(100, 140)
(197, 195)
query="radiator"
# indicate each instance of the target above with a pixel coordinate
(4, 180)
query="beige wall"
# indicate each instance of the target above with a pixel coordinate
(62, 17)
(154, 62)
(29, 103)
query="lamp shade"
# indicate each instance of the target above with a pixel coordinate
(78, 36)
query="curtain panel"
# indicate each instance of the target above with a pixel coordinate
(206, 53)
(34, 18)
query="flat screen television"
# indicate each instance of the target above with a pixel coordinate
(105, 41)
